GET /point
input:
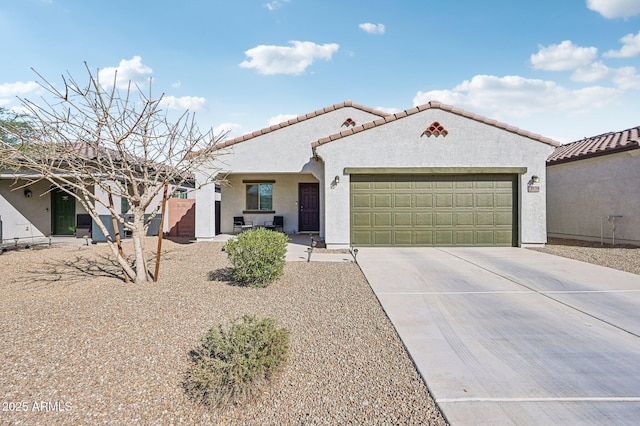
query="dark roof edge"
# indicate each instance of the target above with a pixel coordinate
(628, 147)
(439, 105)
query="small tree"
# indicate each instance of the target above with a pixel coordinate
(96, 142)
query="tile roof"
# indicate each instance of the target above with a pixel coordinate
(302, 118)
(433, 104)
(607, 143)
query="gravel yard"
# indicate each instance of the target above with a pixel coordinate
(621, 257)
(79, 346)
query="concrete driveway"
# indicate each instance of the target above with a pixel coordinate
(513, 336)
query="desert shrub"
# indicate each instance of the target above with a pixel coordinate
(233, 365)
(257, 256)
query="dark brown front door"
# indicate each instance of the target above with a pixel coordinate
(309, 207)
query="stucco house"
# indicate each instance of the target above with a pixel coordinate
(591, 188)
(37, 211)
(433, 175)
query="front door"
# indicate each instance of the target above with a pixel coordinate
(63, 212)
(309, 207)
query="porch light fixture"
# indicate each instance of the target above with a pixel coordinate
(535, 179)
(336, 179)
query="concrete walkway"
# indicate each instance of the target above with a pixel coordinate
(513, 336)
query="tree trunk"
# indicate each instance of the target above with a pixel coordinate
(138, 234)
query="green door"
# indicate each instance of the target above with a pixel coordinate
(434, 210)
(63, 211)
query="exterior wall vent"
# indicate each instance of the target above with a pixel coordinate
(435, 129)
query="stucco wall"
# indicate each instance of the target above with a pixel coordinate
(469, 143)
(24, 217)
(285, 200)
(286, 150)
(582, 194)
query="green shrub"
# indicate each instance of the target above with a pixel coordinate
(257, 256)
(233, 365)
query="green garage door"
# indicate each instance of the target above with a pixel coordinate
(433, 210)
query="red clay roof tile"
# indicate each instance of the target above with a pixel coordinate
(607, 143)
(439, 105)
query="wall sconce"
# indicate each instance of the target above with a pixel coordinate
(28, 193)
(535, 179)
(336, 179)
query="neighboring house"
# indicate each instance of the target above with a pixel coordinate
(591, 188)
(432, 175)
(39, 211)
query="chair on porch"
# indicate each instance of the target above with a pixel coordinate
(276, 224)
(240, 225)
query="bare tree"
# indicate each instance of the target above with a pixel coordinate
(97, 142)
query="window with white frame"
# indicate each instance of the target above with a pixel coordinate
(259, 196)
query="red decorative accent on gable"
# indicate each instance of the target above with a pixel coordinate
(435, 129)
(348, 122)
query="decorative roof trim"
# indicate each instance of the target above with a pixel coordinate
(434, 104)
(299, 119)
(596, 146)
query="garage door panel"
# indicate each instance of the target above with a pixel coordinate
(423, 238)
(485, 200)
(503, 238)
(361, 220)
(423, 200)
(401, 219)
(444, 219)
(464, 238)
(485, 238)
(382, 201)
(402, 238)
(428, 210)
(382, 238)
(402, 184)
(444, 200)
(381, 185)
(504, 200)
(444, 183)
(361, 201)
(402, 201)
(444, 238)
(504, 218)
(382, 219)
(464, 200)
(463, 219)
(423, 219)
(362, 238)
(485, 219)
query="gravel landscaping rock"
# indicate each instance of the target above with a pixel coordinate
(621, 257)
(79, 346)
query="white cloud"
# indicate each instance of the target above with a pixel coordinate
(509, 97)
(630, 48)
(273, 5)
(177, 84)
(563, 56)
(593, 72)
(231, 130)
(17, 88)
(185, 102)
(294, 60)
(132, 70)
(372, 28)
(627, 78)
(615, 8)
(388, 110)
(281, 118)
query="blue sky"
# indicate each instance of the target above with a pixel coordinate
(564, 69)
